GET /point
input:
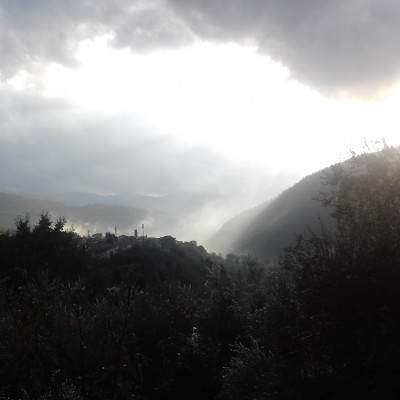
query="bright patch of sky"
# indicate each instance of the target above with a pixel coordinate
(225, 96)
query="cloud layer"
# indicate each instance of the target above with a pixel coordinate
(344, 45)
(333, 45)
(48, 148)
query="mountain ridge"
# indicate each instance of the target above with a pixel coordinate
(265, 230)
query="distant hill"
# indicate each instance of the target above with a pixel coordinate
(186, 215)
(264, 231)
(171, 203)
(93, 217)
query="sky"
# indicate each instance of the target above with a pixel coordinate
(225, 100)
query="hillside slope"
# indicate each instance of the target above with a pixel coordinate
(267, 229)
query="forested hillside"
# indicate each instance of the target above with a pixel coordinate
(174, 322)
(267, 229)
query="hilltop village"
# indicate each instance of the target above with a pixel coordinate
(101, 245)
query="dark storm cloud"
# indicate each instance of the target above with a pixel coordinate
(334, 45)
(349, 45)
(33, 32)
(344, 44)
(150, 28)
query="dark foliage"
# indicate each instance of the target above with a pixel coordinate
(170, 321)
(330, 325)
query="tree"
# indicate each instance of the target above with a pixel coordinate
(346, 288)
(330, 327)
(45, 246)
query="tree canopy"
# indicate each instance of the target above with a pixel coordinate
(174, 322)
